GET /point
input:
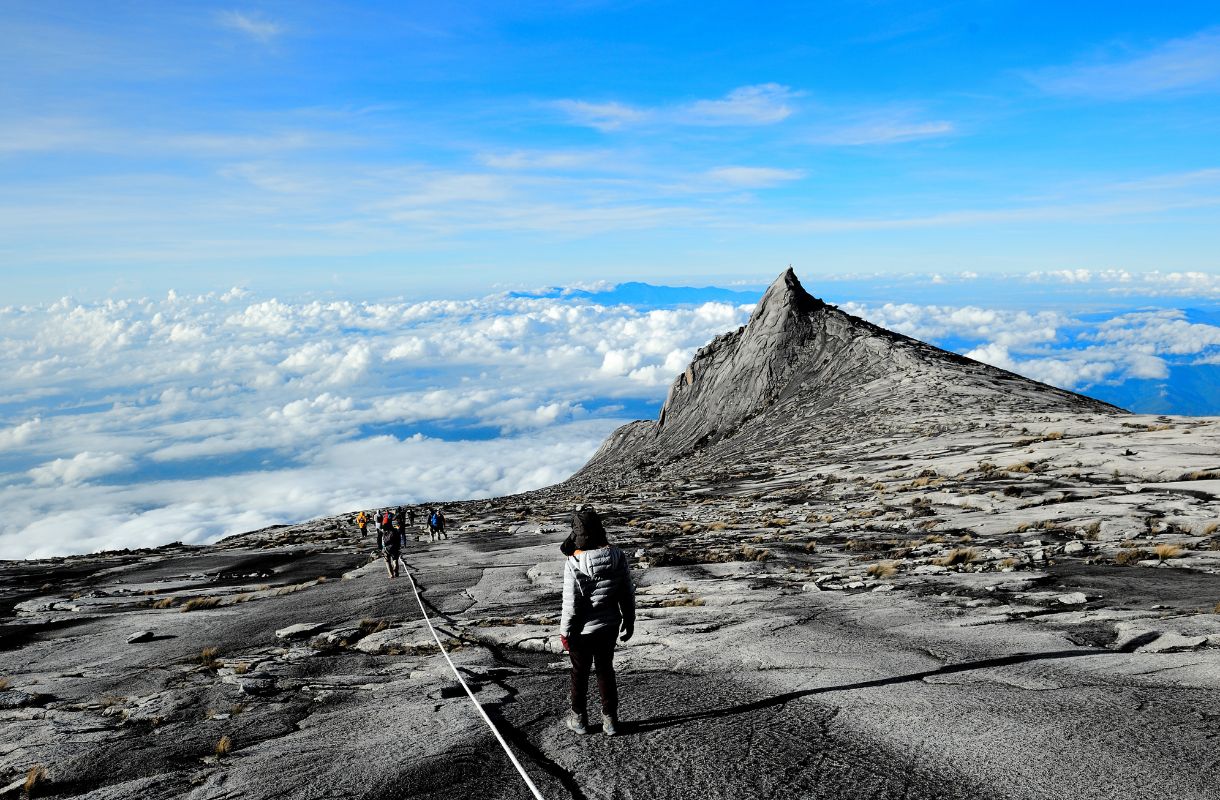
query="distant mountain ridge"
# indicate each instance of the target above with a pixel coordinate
(800, 368)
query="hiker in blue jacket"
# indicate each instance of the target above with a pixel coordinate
(598, 602)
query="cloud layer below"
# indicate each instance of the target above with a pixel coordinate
(139, 422)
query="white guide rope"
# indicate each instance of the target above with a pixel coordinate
(470, 694)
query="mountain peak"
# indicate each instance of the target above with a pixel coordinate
(783, 297)
(801, 366)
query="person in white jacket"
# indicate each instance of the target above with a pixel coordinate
(598, 602)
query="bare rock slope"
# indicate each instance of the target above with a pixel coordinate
(801, 370)
(865, 568)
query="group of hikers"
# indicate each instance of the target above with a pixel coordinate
(392, 525)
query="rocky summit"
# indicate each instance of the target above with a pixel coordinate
(866, 567)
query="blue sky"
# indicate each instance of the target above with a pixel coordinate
(434, 149)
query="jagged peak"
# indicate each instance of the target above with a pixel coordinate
(783, 297)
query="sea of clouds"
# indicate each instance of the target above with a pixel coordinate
(133, 423)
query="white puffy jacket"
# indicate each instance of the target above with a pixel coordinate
(597, 592)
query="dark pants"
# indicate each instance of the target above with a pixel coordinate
(594, 650)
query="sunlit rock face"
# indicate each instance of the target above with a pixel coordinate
(802, 371)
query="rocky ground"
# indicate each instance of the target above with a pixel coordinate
(1020, 606)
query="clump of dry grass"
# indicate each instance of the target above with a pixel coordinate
(958, 556)
(4, 684)
(35, 778)
(934, 538)
(371, 626)
(1008, 563)
(810, 547)
(224, 746)
(196, 603)
(878, 487)
(718, 526)
(1052, 436)
(1027, 466)
(1166, 551)
(755, 553)
(1200, 475)
(1211, 528)
(965, 538)
(207, 657)
(883, 569)
(1132, 555)
(674, 602)
(689, 527)
(777, 522)
(1092, 531)
(163, 603)
(924, 480)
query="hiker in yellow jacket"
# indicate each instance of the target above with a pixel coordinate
(362, 520)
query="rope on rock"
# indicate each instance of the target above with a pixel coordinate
(470, 694)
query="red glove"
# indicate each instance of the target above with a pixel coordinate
(563, 640)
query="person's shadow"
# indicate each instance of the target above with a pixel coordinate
(658, 723)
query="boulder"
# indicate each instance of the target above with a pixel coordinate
(300, 630)
(140, 636)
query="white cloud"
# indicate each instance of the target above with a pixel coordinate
(604, 116)
(258, 396)
(884, 128)
(80, 468)
(763, 104)
(753, 177)
(256, 27)
(1188, 63)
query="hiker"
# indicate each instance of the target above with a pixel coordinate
(440, 524)
(362, 520)
(411, 517)
(384, 528)
(400, 520)
(598, 602)
(392, 547)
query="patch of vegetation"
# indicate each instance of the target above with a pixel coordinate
(35, 779)
(777, 522)
(1092, 531)
(196, 603)
(717, 526)
(1132, 555)
(958, 556)
(163, 603)
(883, 569)
(1166, 551)
(207, 657)
(371, 626)
(224, 746)
(674, 602)
(1200, 475)
(754, 553)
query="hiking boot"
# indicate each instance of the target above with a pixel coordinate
(610, 724)
(577, 722)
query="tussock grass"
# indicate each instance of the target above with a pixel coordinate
(371, 626)
(4, 684)
(878, 487)
(196, 603)
(163, 603)
(1027, 466)
(934, 538)
(34, 779)
(689, 527)
(1008, 563)
(777, 522)
(755, 553)
(810, 547)
(1132, 555)
(1051, 436)
(883, 569)
(958, 556)
(1092, 531)
(1211, 528)
(718, 526)
(1166, 551)
(207, 657)
(965, 538)
(224, 746)
(1200, 475)
(674, 602)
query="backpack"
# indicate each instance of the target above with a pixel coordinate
(434, 521)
